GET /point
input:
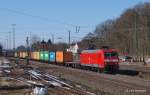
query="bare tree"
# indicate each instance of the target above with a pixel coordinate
(35, 43)
(1, 49)
(129, 33)
(35, 39)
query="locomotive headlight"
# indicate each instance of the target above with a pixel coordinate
(107, 60)
(115, 60)
(111, 60)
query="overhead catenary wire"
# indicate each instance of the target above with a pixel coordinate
(44, 18)
(76, 27)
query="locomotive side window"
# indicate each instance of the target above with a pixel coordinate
(111, 54)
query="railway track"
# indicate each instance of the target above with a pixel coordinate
(130, 68)
(109, 83)
(112, 84)
(61, 87)
(33, 78)
(125, 87)
(54, 81)
(135, 67)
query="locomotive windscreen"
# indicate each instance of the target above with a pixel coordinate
(111, 54)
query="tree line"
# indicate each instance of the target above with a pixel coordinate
(36, 44)
(129, 33)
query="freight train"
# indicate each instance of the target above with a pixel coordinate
(99, 59)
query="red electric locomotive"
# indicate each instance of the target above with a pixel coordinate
(102, 59)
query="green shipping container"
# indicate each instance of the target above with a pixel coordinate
(42, 55)
(46, 56)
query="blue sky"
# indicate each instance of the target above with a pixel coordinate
(58, 13)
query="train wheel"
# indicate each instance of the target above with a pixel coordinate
(67, 65)
(115, 70)
(74, 65)
(98, 70)
(78, 66)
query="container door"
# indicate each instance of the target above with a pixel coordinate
(59, 56)
(52, 56)
(41, 55)
(46, 56)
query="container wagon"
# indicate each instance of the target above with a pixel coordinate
(99, 59)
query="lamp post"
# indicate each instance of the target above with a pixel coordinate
(13, 30)
(69, 39)
(27, 58)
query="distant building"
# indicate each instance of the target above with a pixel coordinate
(73, 48)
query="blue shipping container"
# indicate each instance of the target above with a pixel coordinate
(52, 56)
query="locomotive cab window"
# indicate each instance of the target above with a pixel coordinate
(111, 54)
